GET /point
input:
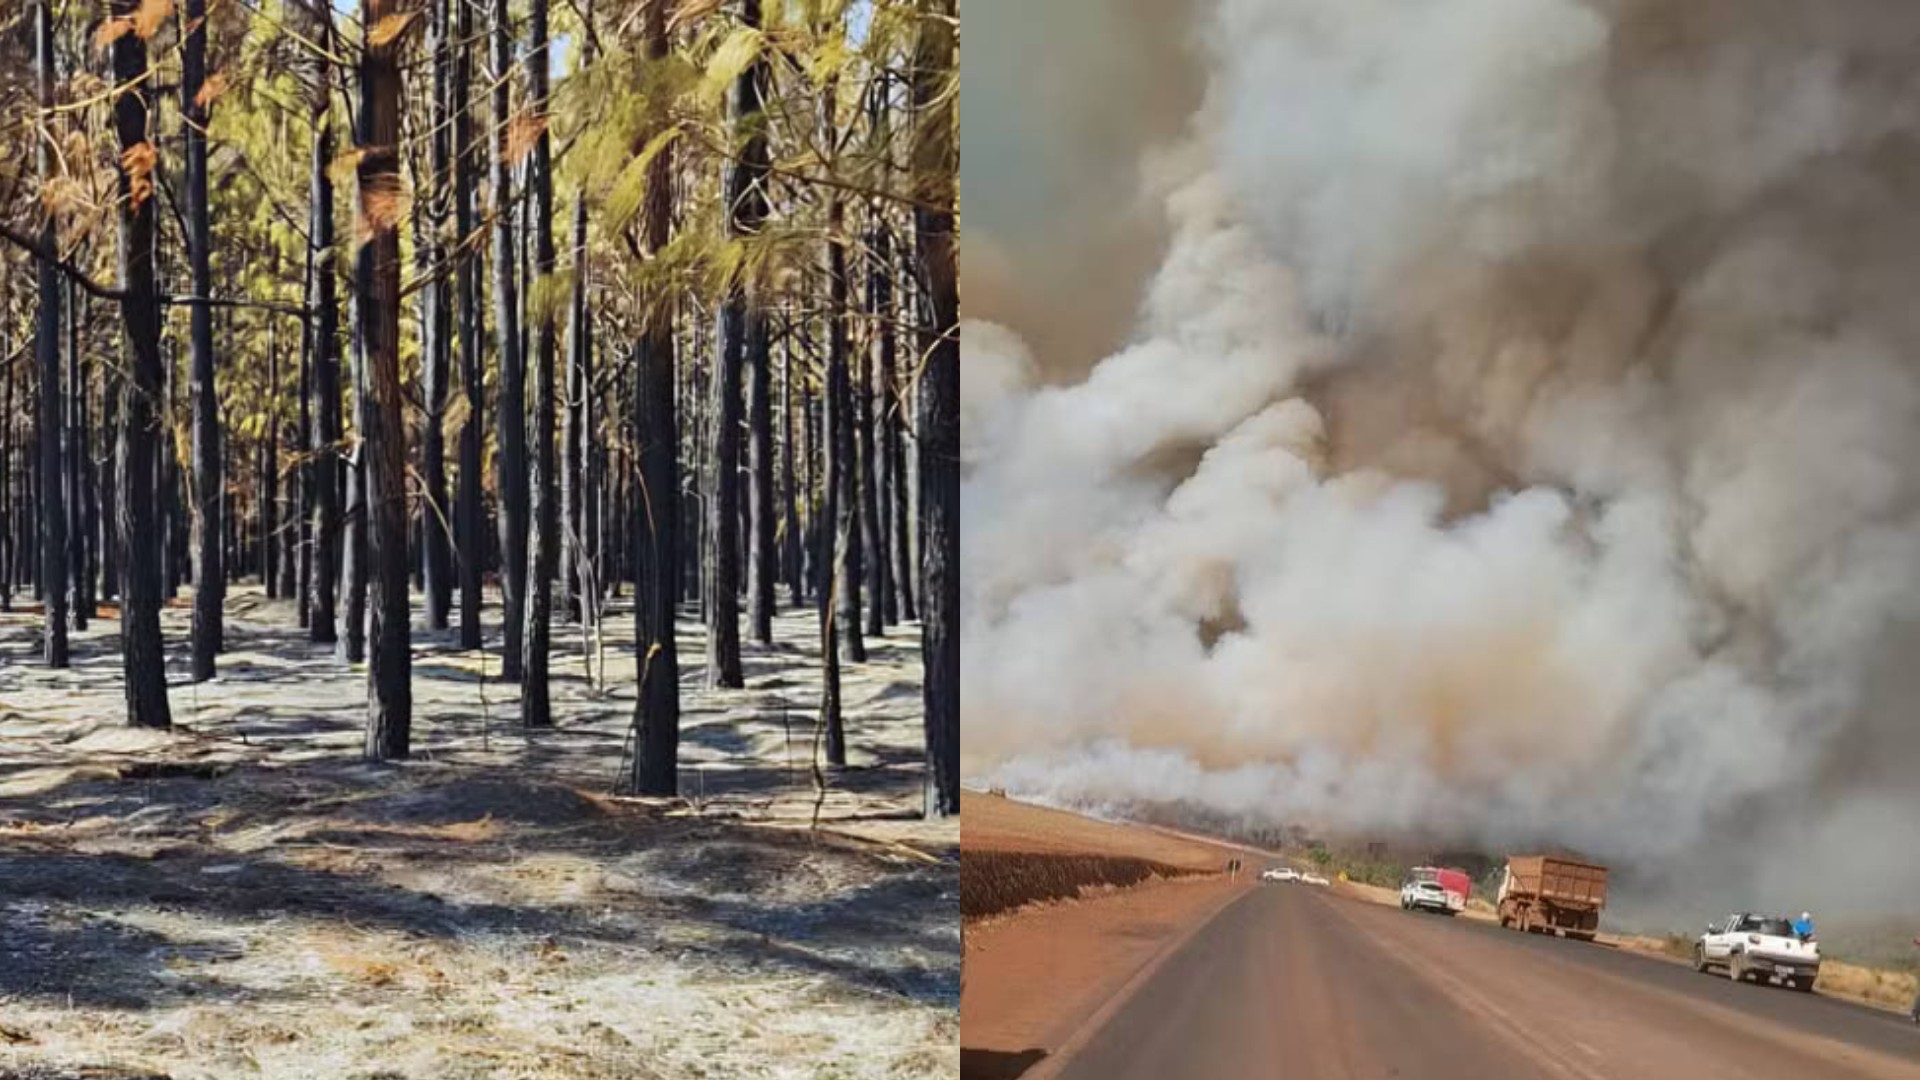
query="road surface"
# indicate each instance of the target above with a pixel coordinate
(1290, 981)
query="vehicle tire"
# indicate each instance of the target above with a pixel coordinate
(1736, 968)
(1804, 983)
(1699, 958)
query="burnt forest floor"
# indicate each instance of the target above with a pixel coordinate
(243, 896)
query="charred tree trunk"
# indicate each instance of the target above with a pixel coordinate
(436, 521)
(511, 454)
(470, 535)
(107, 533)
(325, 464)
(209, 570)
(899, 485)
(270, 473)
(52, 514)
(353, 635)
(790, 536)
(145, 678)
(536, 709)
(841, 420)
(879, 580)
(746, 210)
(656, 505)
(76, 458)
(303, 444)
(936, 159)
(839, 615)
(383, 451)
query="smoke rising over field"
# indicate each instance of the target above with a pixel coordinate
(1518, 443)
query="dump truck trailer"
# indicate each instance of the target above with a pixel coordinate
(1546, 894)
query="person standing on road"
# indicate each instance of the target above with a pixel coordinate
(1913, 1014)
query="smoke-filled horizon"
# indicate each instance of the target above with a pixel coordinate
(1518, 443)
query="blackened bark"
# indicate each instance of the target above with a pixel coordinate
(839, 617)
(322, 626)
(145, 679)
(536, 708)
(107, 532)
(270, 473)
(879, 579)
(383, 434)
(76, 458)
(511, 454)
(303, 444)
(353, 571)
(9, 542)
(840, 440)
(763, 570)
(573, 470)
(656, 506)
(893, 435)
(936, 159)
(790, 533)
(52, 514)
(209, 571)
(436, 520)
(470, 535)
(742, 344)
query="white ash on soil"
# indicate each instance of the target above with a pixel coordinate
(244, 897)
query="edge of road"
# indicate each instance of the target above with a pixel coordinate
(1058, 1059)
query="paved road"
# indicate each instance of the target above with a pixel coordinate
(1295, 982)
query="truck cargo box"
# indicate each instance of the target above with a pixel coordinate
(1549, 893)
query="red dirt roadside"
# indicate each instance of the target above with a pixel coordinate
(1034, 977)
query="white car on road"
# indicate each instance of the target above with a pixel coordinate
(1314, 879)
(1429, 894)
(1759, 947)
(1280, 873)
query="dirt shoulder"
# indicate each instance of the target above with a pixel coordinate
(1077, 909)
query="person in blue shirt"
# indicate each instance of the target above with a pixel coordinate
(1803, 926)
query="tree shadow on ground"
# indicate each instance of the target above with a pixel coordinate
(94, 962)
(763, 898)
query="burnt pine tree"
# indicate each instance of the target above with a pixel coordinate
(655, 507)
(209, 575)
(723, 513)
(879, 578)
(469, 535)
(842, 418)
(511, 454)
(935, 161)
(837, 510)
(76, 459)
(353, 571)
(326, 358)
(536, 709)
(137, 479)
(52, 511)
(436, 349)
(574, 473)
(383, 431)
(762, 560)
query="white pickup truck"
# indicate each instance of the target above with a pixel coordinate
(1759, 947)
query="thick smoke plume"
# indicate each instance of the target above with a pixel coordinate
(1518, 444)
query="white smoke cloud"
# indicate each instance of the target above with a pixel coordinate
(1518, 444)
